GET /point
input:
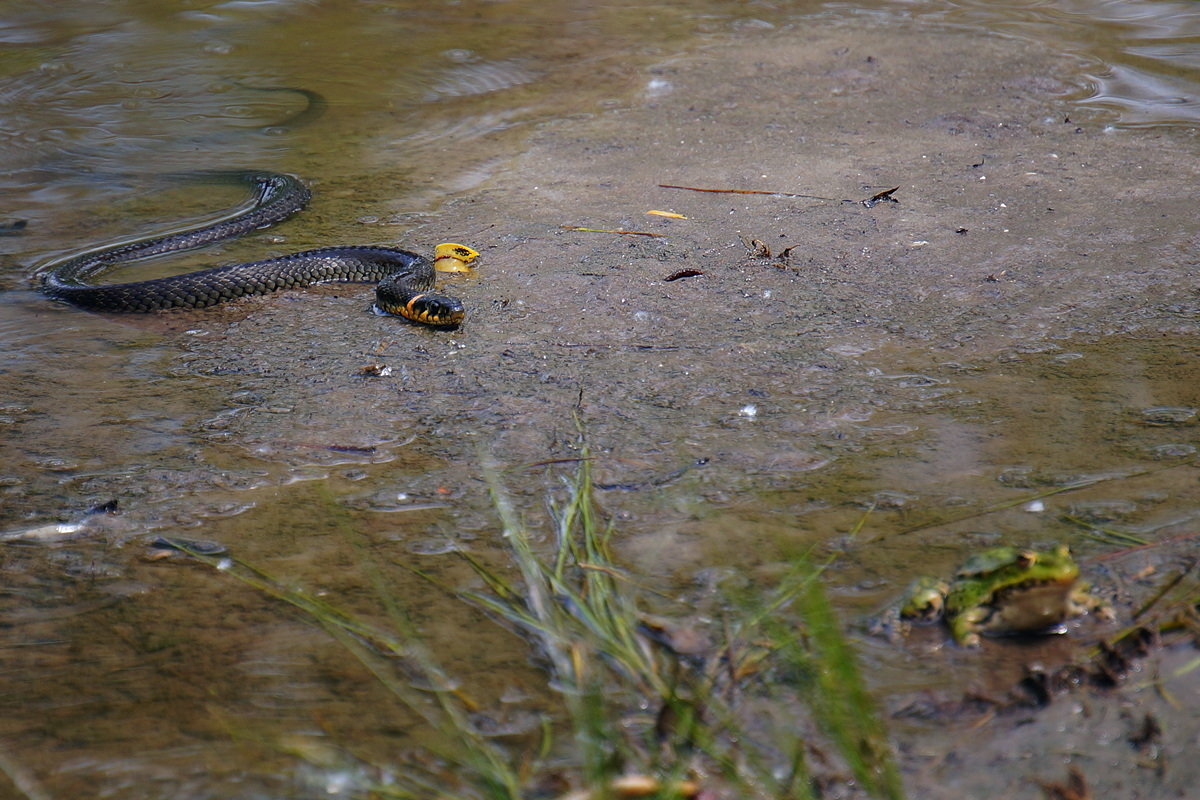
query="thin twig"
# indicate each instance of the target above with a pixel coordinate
(611, 230)
(750, 191)
(1166, 587)
(1070, 487)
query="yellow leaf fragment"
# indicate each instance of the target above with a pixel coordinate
(645, 785)
(668, 214)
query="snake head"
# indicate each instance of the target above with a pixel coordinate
(451, 257)
(436, 310)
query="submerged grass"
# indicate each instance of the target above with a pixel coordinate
(651, 706)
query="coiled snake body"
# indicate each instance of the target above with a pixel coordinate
(404, 278)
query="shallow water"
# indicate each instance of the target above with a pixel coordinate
(254, 426)
(1139, 60)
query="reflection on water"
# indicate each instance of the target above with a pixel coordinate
(1141, 57)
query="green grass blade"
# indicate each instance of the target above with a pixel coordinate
(840, 701)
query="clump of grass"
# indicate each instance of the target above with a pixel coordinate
(581, 610)
(740, 717)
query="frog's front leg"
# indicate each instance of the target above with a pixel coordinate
(965, 627)
(923, 602)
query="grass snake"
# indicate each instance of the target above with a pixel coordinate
(404, 278)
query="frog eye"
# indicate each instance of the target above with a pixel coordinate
(1026, 559)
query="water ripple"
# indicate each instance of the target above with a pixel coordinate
(481, 78)
(1141, 59)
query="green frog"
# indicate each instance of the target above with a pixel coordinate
(1004, 590)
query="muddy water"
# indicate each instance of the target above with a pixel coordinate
(897, 367)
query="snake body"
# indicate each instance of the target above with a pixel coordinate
(403, 277)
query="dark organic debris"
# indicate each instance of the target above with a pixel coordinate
(12, 227)
(109, 507)
(785, 255)
(882, 197)
(1075, 788)
(757, 247)
(1106, 668)
(1148, 734)
(375, 370)
(683, 273)
(760, 249)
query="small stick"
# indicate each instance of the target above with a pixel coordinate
(610, 230)
(748, 191)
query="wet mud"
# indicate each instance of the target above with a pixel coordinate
(1022, 318)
